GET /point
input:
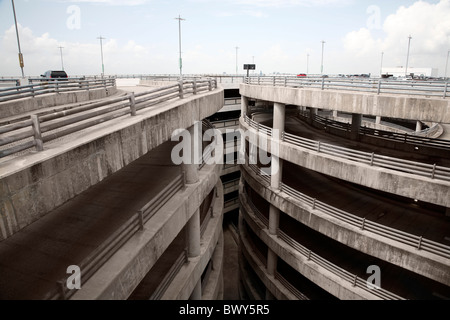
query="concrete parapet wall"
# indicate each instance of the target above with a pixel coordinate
(393, 106)
(396, 182)
(423, 263)
(21, 106)
(122, 273)
(328, 281)
(32, 185)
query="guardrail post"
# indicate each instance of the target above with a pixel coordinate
(32, 90)
(141, 220)
(195, 86)
(323, 83)
(37, 133)
(379, 87)
(445, 90)
(258, 80)
(210, 85)
(309, 255)
(372, 158)
(57, 86)
(318, 146)
(433, 171)
(180, 86)
(314, 204)
(363, 223)
(274, 81)
(354, 281)
(420, 243)
(285, 81)
(132, 104)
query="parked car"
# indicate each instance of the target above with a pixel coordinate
(301, 75)
(53, 74)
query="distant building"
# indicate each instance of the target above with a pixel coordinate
(418, 72)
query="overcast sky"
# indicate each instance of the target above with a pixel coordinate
(277, 35)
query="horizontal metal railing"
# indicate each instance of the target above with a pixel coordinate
(37, 130)
(409, 138)
(431, 171)
(118, 238)
(336, 270)
(379, 86)
(290, 287)
(401, 237)
(57, 86)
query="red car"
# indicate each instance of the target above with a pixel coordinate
(301, 75)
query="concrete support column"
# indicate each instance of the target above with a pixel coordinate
(335, 114)
(193, 235)
(279, 117)
(312, 114)
(244, 106)
(356, 124)
(418, 126)
(191, 169)
(378, 120)
(272, 260)
(197, 292)
(274, 219)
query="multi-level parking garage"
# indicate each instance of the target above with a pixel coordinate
(337, 200)
(92, 185)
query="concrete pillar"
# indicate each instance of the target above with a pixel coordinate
(244, 105)
(418, 126)
(378, 120)
(197, 292)
(272, 260)
(274, 219)
(193, 235)
(335, 114)
(356, 124)
(279, 117)
(312, 114)
(191, 169)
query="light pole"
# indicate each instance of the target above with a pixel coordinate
(307, 63)
(381, 67)
(321, 66)
(179, 44)
(18, 41)
(101, 50)
(62, 61)
(407, 55)
(446, 65)
(237, 48)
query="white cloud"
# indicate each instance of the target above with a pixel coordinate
(292, 3)
(429, 26)
(109, 2)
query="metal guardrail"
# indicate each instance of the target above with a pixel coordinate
(290, 287)
(423, 88)
(40, 129)
(168, 278)
(53, 86)
(336, 270)
(411, 138)
(413, 241)
(372, 159)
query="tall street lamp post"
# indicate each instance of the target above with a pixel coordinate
(18, 41)
(179, 44)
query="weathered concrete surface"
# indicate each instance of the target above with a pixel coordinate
(396, 182)
(418, 261)
(394, 106)
(32, 185)
(279, 291)
(20, 106)
(122, 273)
(330, 282)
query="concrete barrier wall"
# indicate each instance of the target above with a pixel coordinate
(423, 263)
(393, 106)
(328, 281)
(396, 182)
(33, 185)
(21, 106)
